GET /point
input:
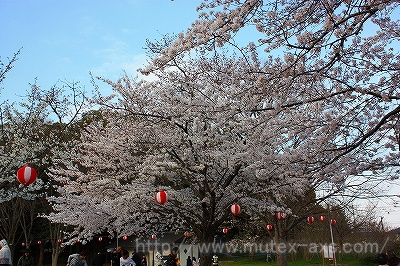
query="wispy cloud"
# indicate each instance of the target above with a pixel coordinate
(116, 58)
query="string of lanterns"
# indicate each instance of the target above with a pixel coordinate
(26, 175)
(161, 197)
(322, 218)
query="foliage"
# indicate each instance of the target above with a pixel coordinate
(314, 52)
(217, 128)
(181, 133)
(35, 131)
(6, 67)
(304, 115)
(336, 61)
(188, 133)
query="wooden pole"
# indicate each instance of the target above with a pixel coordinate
(333, 243)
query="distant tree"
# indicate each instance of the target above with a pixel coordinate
(35, 131)
(20, 144)
(6, 67)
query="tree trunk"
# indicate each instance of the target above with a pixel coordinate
(54, 255)
(207, 256)
(55, 230)
(280, 247)
(41, 255)
(281, 259)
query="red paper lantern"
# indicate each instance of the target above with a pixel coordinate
(23, 244)
(153, 237)
(225, 230)
(333, 221)
(269, 227)
(235, 209)
(59, 241)
(26, 175)
(161, 197)
(124, 237)
(186, 234)
(100, 239)
(280, 215)
(322, 218)
(310, 219)
(39, 242)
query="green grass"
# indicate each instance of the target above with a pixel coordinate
(260, 260)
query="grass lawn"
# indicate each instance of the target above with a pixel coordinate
(260, 260)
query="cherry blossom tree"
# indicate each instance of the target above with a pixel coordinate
(19, 145)
(191, 132)
(340, 56)
(34, 131)
(312, 102)
(6, 67)
(312, 51)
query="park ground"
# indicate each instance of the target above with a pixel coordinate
(348, 260)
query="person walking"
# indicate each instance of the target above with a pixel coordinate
(116, 256)
(26, 259)
(392, 259)
(144, 261)
(159, 259)
(137, 258)
(77, 259)
(5, 253)
(172, 258)
(189, 261)
(125, 260)
(382, 259)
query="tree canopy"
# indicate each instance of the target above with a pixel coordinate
(310, 105)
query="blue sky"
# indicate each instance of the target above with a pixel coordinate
(65, 40)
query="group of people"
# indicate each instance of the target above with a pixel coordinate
(6, 259)
(191, 261)
(172, 259)
(120, 256)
